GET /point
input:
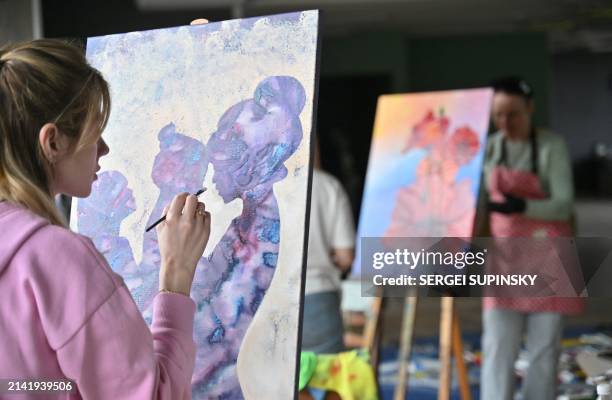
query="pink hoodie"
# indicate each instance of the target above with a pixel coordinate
(65, 314)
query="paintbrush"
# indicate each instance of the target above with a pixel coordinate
(159, 221)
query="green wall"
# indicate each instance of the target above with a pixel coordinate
(367, 54)
(441, 63)
(473, 61)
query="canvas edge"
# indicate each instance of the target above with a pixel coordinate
(313, 133)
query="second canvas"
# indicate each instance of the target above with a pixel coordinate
(425, 164)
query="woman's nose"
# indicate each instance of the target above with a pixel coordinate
(102, 148)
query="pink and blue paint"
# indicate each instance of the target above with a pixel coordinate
(253, 140)
(248, 150)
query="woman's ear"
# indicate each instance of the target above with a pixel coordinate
(52, 142)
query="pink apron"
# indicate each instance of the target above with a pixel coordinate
(527, 185)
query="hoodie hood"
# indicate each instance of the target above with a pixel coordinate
(17, 225)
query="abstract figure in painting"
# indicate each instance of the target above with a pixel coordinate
(180, 166)
(100, 216)
(436, 204)
(227, 107)
(253, 140)
(247, 151)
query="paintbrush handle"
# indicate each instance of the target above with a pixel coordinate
(156, 223)
(162, 219)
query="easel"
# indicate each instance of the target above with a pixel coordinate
(450, 343)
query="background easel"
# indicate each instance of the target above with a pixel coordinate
(451, 344)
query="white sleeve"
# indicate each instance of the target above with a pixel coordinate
(343, 231)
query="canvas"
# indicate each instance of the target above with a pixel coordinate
(425, 165)
(229, 107)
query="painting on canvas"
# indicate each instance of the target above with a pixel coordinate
(425, 165)
(228, 107)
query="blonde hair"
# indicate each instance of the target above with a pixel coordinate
(44, 81)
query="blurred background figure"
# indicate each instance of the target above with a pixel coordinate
(529, 193)
(331, 251)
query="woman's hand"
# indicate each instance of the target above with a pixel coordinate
(511, 205)
(182, 239)
(199, 21)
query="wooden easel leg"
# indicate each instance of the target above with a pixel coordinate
(464, 383)
(373, 334)
(406, 336)
(446, 323)
(372, 330)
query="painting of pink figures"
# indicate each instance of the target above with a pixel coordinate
(227, 107)
(425, 165)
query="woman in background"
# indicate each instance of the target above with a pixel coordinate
(529, 193)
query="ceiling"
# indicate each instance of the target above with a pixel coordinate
(570, 24)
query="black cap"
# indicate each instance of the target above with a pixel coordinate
(513, 85)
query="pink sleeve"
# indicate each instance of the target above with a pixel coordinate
(115, 356)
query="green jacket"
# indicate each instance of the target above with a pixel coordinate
(554, 171)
